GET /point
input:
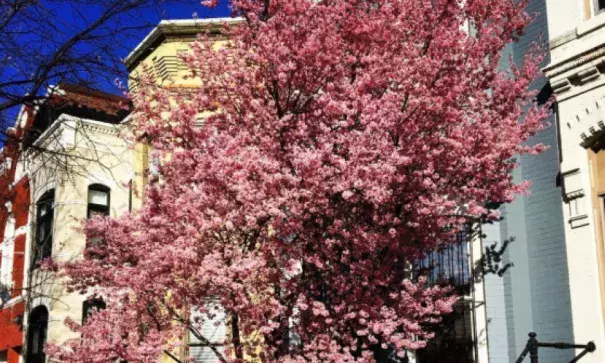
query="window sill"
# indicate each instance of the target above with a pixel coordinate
(597, 21)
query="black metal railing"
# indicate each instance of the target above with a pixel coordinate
(455, 337)
(448, 265)
(533, 345)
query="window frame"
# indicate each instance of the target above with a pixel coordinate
(38, 316)
(596, 7)
(89, 304)
(219, 322)
(44, 249)
(98, 208)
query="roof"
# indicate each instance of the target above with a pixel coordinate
(81, 96)
(175, 27)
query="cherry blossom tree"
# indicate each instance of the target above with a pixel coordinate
(346, 139)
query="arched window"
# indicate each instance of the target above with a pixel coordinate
(98, 200)
(36, 335)
(44, 226)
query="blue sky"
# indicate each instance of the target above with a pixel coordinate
(72, 17)
(63, 19)
(179, 11)
(184, 11)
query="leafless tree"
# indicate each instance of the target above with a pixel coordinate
(47, 42)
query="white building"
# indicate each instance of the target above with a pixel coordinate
(576, 73)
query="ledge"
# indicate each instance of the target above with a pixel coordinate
(584, 28)
(579, 221)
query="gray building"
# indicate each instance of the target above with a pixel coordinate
(534, 294)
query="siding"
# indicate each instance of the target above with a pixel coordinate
(495, 305)
(534, 294)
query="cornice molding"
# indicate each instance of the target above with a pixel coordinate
(555, 69)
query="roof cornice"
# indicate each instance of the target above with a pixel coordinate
(176, 27)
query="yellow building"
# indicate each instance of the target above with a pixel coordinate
(157, 58)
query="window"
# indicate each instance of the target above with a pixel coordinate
(599, 6)
(36, 335)
(44, 226)
(98, 200)
(6, 263)
(154, 167)
(91, 305)
(7, 249)
(98, 205)
(212, 326)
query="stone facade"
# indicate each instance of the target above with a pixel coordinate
(576, 72)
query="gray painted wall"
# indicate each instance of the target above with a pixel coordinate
(497, 324)
(534, 294)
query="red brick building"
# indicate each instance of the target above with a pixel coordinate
(14, 211)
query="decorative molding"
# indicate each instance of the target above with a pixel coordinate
(555, 69)
(22, 230)
(175, 29)
(591, 121)
(13, 301)
(50, 184)
(575, 194)
(560, 86)
(579, 221)
(588, 75)
(572, 183)
(108, 129)
(562, 39)
(69, 202)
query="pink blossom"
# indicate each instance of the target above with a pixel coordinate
(348, 137)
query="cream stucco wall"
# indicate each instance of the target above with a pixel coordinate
(81, 153)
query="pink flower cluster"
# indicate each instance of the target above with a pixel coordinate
(349, 138)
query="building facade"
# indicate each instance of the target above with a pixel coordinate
(534, 294)
(554, 238)
(576, 72)
(14, 218)
(555, 287)
(73, 162)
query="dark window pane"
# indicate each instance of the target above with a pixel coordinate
(98, 205)
(36, 335)
(44, 227)
(90, 306)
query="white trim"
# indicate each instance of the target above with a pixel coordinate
(52, 184)
(69, 202)
(177, 26)
(103, 180)
(593, 8)
(13, 301)
(65, 120)
(22, 230)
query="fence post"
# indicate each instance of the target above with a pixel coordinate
(533, 347)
